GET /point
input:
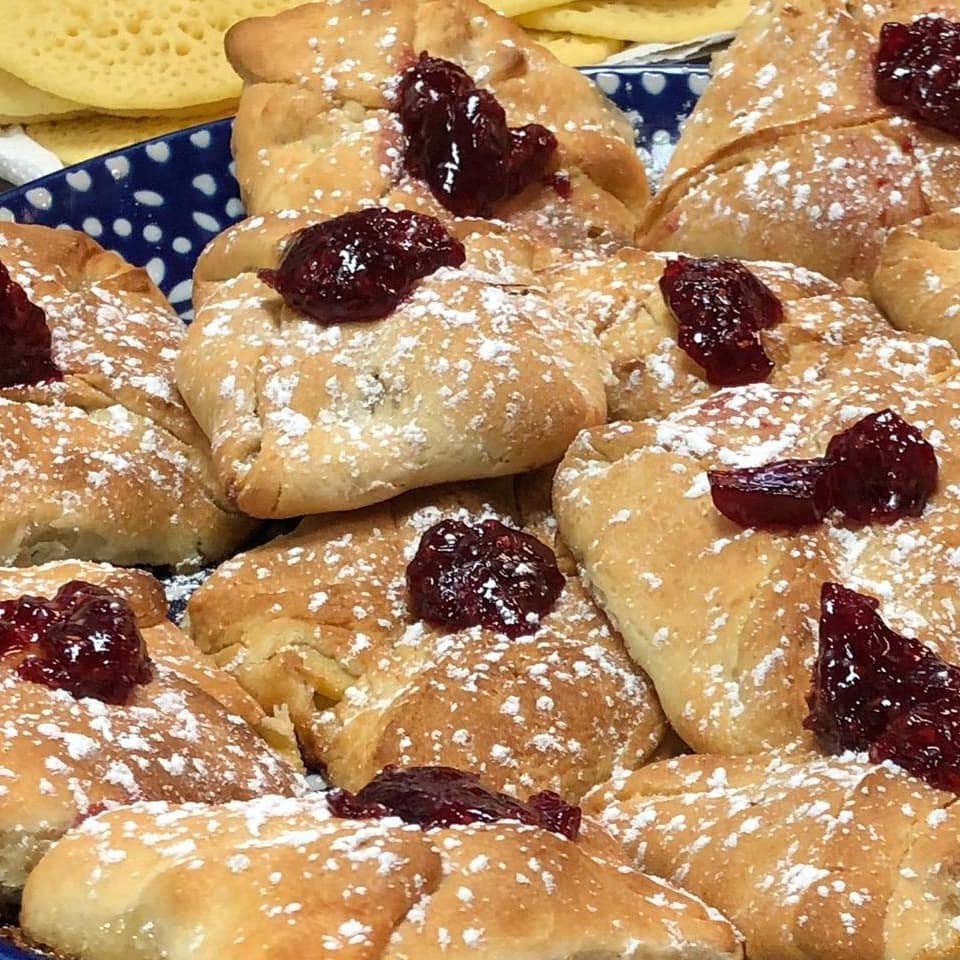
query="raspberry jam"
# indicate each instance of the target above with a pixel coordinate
(459, 142)
(878, 471)
(485, 575)
(26, 356)
(882, 469)
(786, 493)
(361, 265)
(443, 797)
(720, 308)
(917, 70)
(85, 641)
(878, 691)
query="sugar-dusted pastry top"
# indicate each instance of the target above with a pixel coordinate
(620, 295)
(79, 454)
(917, 280)
(723, 617)
(476, 373)
(812, 858)
(320, 621)
(790, 155)
(317, 126)
(187, 734)
(285, 878)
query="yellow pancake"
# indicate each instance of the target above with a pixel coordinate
(19, 102)
(93, 134)
(513, 8)
(642, 21)
(577, 50)
(131, 55)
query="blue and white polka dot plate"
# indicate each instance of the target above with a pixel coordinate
(159, 203)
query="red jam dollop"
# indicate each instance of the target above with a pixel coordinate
(459, 142)
(875, 690)
(26, 357)
(878, 471)
(720, 308)
(361, 265)
(443, 797)
(85, 641)
(483, 575)
(917, 70)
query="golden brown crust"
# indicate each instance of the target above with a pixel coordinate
(917, 281)
(790, 156)
(283, 877)
(317, 621)
(180, 737)
(620, 295)
(476, 374)
(316, 127)
(812, 858)
(79, 455)
(723, 618)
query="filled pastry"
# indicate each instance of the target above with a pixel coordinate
(100, 458)
(420, 864)
(445, 627)
(706, 536)
(674, 328)
(826, 124)
(917, 280)
(342, 363)
(811, 857)
(104, 702)
(437, 106)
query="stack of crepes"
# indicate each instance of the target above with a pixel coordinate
(88, 76)
(589, 31)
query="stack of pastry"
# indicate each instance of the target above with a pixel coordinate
(724, 625)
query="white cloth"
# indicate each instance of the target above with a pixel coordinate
(23, 159)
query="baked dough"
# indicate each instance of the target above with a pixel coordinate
(620, 295)
(917, 281)
(316, 127)
(723, 618)
(188, 735)
(790, 156)
(476, 374)
(317, 622)
(282, 878)
(106, 464)
(812, 858)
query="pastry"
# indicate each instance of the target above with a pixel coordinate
(722, 614)
(105, 702)
(331, 391)
(811, 857)
(455, 871)
(917, 280)
(652, 375)
(100, 458)
(322, 622)
(805, 149)
(326, 123)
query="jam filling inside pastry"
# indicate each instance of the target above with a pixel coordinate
(27, 352)
(917, 70)
(879, 691)
(458, 140)
(85, 641)
(720, 308)
(444, 797)
(486, 575)
(361, 265)
(879, 470)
